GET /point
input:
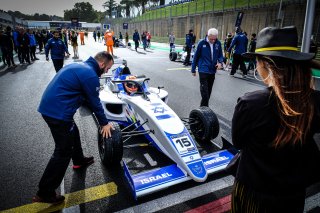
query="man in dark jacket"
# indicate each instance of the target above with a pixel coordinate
(24, 42)
(240, 43)
(7, 46)
(64, 95)
(58, 48)
(252, 49)
(136, 39)
(190, 40)
(208, 57)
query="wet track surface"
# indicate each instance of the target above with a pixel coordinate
(26, 143)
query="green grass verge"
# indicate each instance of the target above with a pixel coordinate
(201, 6)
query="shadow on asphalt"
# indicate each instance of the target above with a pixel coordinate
(13, 70)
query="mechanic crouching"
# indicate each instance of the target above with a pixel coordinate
(60, 101)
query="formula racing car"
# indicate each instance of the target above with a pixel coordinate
(142, 120)
(175, 55)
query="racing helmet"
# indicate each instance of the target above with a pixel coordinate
(131, 87)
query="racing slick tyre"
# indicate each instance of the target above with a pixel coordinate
(204, 124)
(173, 56)
(111, 149)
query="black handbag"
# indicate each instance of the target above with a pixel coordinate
(233, 165)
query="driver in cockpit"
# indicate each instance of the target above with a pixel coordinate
(131, 87)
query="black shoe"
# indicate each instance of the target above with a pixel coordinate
(86, 161)
(56, 199)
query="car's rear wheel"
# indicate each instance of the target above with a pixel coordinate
(204, 124)
(173, 56)
(111, 149)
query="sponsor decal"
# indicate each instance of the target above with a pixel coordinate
(162, 117)
(197, 169)
(216, 160)
(155, 104)
(159, 109)
(155, 178)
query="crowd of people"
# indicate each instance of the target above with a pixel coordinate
(24, 43)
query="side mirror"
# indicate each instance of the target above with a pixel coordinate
(160, 87)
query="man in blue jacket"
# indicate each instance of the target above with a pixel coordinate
(208, 58)
(64, 95)
(136, 39)
(190, 40)
(58, 48)
(240, 41)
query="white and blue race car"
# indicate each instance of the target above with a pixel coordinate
(143, 119)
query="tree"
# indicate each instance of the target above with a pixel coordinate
(127, 4)
(100, 16)
(36, 16)
(109, 6)
(82, 10)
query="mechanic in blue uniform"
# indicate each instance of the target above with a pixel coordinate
(58, 49)
(122, 71)
(240, 43)
(190, 40)
(208, 58)
(64, 95)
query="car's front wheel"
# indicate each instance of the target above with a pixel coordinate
(173, 56)
(204, 124)
(111, 149)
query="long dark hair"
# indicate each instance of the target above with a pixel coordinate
(293, 85)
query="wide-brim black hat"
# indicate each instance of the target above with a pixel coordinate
(280, 42)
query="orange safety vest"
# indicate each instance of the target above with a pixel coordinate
(81, 35)
(108, 37)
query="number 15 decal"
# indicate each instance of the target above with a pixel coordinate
(183, 144)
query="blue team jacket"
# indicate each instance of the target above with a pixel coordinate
(202, 57)
(58, 48)
(69, 88)
(241, 42)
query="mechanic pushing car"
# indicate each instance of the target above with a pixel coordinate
(64, 95)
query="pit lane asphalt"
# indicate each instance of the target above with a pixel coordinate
(26, 143)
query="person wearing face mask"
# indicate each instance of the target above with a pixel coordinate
(274, 128)
(208, 58)
(58, 50)
(65, 93)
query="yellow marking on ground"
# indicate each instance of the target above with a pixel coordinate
(72, 199)
(180, 68)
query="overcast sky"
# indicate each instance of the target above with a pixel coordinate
(49, 7)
